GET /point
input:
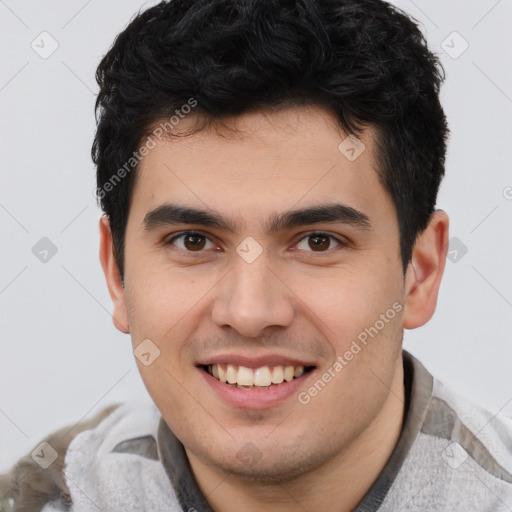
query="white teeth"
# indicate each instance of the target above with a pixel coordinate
(262, 377)
(245, 376)
(222, 372)
(288, 373)
(231, 374)
(277, 375)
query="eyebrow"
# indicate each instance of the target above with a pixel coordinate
(170, 214)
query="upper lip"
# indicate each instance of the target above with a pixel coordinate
(254, 362)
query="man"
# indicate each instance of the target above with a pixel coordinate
(269, 173)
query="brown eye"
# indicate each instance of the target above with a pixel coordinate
(190, 242)
(194, 242)
(317, 242)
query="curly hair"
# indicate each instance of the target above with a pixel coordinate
(364, 60)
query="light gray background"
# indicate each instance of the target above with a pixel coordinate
(61, 357)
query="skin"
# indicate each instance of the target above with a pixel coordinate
(294, 299)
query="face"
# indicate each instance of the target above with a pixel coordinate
(293, 262)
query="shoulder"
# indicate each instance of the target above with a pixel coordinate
(117, 433)
(38, 477)
(484, 435)
(116, 466)
(460, 460)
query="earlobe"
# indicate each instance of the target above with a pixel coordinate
(113, 276)
(425, 270)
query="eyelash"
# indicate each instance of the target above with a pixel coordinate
(183, 234)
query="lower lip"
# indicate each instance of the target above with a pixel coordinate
(255, 398)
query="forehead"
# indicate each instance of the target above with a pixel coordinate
(258, 164)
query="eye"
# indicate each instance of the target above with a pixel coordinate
(194, 241)
(191, 241)
(318, 242)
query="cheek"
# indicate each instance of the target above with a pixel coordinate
(343, 304)
(161, 297)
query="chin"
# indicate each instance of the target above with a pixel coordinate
(266, 464)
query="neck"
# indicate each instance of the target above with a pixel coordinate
(338, 485)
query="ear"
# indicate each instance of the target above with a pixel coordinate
(425, 270)
(113, 276)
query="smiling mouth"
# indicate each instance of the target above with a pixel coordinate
(262, 378)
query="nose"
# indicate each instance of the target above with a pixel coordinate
(251, 298)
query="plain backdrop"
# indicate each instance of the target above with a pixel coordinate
(61, 357)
